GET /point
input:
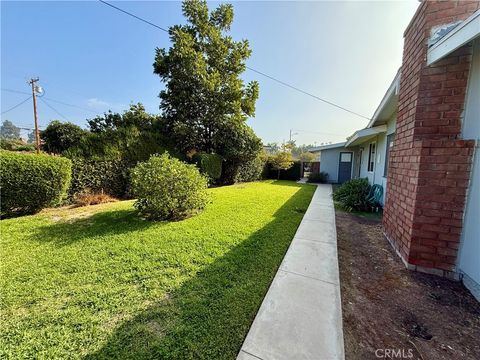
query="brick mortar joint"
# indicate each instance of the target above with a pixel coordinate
(452, 275)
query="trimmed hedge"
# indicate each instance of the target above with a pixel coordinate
(31, 182)
(252, 170)
(209, 164)
(110, 177)
(168, 189)
(293, 173)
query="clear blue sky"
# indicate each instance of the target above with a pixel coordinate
(94, 57)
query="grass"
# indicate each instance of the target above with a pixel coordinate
(98, 282)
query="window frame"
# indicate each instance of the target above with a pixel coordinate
(389, 139)
(371, 156)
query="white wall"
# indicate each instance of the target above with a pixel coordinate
(469, 258)
(376, 177)
(329, 161)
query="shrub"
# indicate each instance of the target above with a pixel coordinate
(31, 182)
(100, 176)
(293, 173)
(252, 170)
(16, 145)
(209, 164)
(167, 188)
(352, 195)
(321, 177)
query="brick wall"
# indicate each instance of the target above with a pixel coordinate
(429, 165)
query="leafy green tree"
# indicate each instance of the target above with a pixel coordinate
(131, 135)
(9, 131)
(307, 157)
(283, 160)
(205, 100)
(135, 116)
(59, 137)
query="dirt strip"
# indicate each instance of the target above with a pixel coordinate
(392, 313)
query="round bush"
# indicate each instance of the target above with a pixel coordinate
(31, 182)
(167, 188)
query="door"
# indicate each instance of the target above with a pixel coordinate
(345, 167)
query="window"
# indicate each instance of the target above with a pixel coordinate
(390, 139)
(371, 157)
(345, 157)
(360, 162)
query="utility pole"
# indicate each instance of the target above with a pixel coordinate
(291, 134)
(34, 96)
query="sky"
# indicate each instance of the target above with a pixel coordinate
(95, 58)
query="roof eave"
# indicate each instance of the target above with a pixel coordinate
(463, 33)
(391, 92)
(360, 136)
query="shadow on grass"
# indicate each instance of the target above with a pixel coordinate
(210, 314)
(68, 231)
(114, 222)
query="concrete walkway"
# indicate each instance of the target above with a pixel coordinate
(301, 315)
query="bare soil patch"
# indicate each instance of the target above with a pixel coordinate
(400, 313)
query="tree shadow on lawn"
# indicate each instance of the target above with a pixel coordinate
(105, 223)
(209, 316)
(114, 222)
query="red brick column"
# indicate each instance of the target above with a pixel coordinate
(429, 165)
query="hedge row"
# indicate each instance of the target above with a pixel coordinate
(252, 170)
(209, 164)
(111, 177)
(294, 173)
(31, 182)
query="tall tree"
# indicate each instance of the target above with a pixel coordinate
(9, 131)
(205, 99)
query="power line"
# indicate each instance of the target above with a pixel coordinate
(248, 67)
(14, 107)
(71, 105)
(16, 91)
(51, 107)
(50, 99)
(307, 93)
(133, 15)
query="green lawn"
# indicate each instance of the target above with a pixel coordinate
(100, 283)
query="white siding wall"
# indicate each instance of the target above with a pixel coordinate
(469, 259)
(376, 177)
(329, 160)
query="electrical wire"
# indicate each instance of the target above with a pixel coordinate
(248, 67)
(51, 107)
(50, 99)
(14, 107)
(133, 15)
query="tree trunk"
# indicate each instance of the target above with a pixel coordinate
(278, 177)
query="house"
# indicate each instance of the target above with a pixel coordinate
(365, 153)
(422, 145)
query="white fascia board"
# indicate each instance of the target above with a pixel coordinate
(325, 147)
(460, 35)
(362, 135)
(392, 91)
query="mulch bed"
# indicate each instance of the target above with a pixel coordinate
(391, 312)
